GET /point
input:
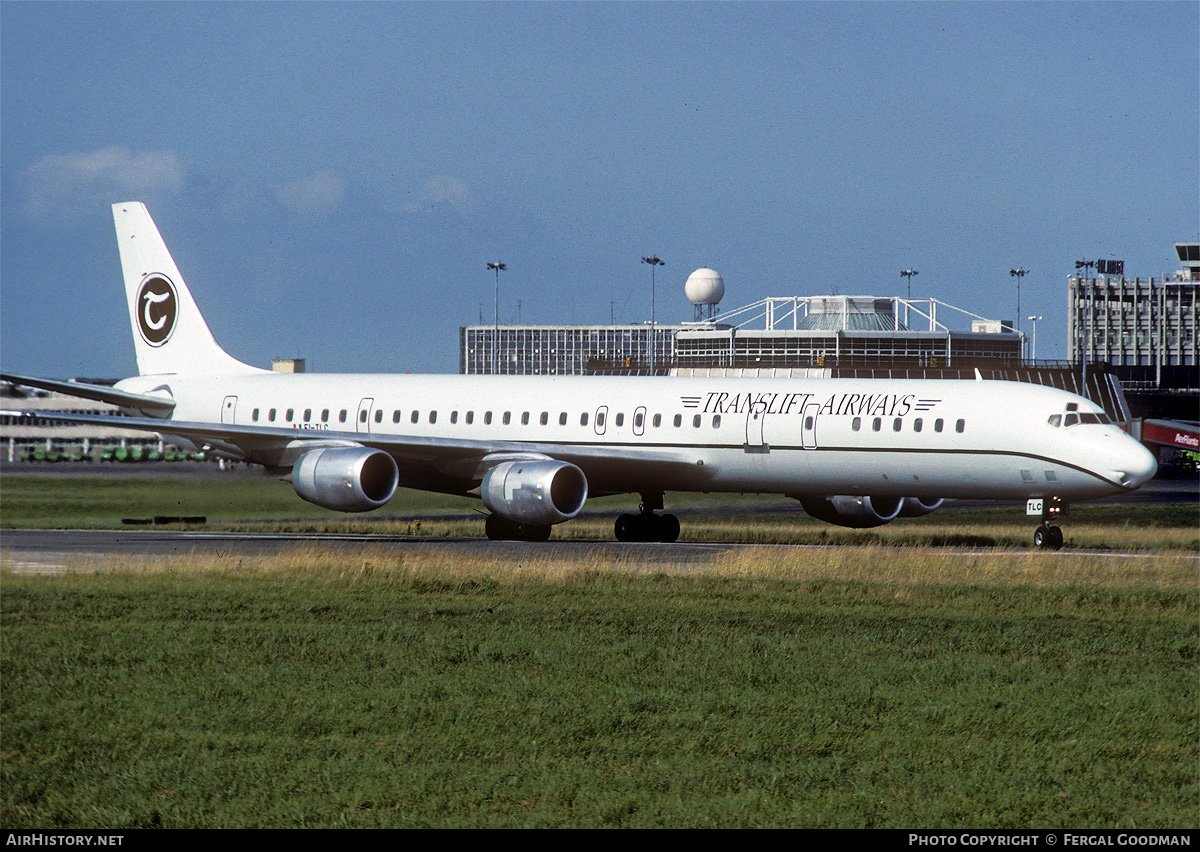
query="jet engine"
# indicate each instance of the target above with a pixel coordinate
(348, 479)
(914, 507)
(864, 512)
(534, 492)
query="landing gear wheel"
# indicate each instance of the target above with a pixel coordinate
(1047, 537)
(647, 526)
(502, 529)
(496, 528)
(534, 532)
(626, 527)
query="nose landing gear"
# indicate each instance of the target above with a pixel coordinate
(1047, 536)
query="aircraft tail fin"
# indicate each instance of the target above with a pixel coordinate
(170, 335)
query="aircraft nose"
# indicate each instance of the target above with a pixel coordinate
(1135, 465)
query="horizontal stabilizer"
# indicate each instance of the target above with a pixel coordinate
(154, 406)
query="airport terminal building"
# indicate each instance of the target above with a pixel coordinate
(1145, 329)
(816, 335)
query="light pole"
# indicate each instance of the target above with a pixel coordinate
(1018, 274)
(498, 266)
(908, 273)
(654, 261)
(1034, 320)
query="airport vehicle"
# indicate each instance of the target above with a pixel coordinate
(854, 452)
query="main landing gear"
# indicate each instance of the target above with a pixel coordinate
(1047, 536)
(646, 525)
(502, 529)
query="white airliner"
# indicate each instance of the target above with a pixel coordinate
(855, 452)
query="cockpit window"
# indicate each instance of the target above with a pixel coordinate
(1075, 418)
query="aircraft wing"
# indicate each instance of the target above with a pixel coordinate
(607, 467)
(156, 406)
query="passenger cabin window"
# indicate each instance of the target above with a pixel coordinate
(470, 417)
(937, 425)
(342, 416)
(396, 416)
(856, 424)
(378, 415)
(917, 424)
(307, 414)
(288, 416)
(453, 416)
(433, 417)
(960, 426)
(657, 420)
(696, 422)
(271, 415)
(620, 419)
(525, 419)
(325, 415)
(545, 418)
(562, 419)
(583, 419)
(487, 418)
(876, 424)
(507, 417)
(415, 417)
(254, 415)
(678, 419)
(362, 416)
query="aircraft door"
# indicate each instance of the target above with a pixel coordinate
(808, 427)
(228, 409)
(363, 422)
(756, 419)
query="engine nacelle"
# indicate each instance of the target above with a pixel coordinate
(535, 492)
(864, 512)
(914, 507)
(348, 479)
(856, 512)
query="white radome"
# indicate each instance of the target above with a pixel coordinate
(704, 287)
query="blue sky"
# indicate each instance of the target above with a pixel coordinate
(333, 178)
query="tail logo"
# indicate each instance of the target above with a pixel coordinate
(157, 307)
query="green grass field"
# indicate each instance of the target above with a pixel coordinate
(883, 683)
(862, 687)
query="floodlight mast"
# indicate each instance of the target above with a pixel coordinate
(1018, 273)
(908, 273)
(654, 261)
(498, 266)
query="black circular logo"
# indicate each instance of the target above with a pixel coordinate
(156, 309)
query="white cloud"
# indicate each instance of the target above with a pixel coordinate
(443, 190)
(66, 184)
(319, 193)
